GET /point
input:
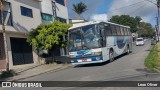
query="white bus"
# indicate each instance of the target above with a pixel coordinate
(97, 42)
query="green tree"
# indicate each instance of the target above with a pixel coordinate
(79, 8)
(48, 36)
(127, 20)
(138, 19)
(145, 30)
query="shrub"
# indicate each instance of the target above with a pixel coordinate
(6, 74)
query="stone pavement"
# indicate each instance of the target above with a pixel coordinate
(37, 70)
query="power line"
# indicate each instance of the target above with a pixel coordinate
(140, 8)
(125, 6)
(151, 2)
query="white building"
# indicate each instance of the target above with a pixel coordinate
(20, 17)
(54, 10)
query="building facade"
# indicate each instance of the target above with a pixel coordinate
(55, 10)
(20, 17)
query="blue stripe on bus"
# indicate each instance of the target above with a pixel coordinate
(83, 52)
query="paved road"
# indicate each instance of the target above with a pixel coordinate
(126, 68)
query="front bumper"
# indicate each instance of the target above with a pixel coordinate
(87, 59)
(139, 44)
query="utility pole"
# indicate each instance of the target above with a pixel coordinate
(156, 26)
(4, 33)
(157, 20)
(158, 6)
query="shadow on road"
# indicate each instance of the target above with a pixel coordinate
(93, 65)
(148, 50)
(145, 70)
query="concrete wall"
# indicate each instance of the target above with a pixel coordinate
(46, 7)
(61, 11)
(35, 56)
(22, 23)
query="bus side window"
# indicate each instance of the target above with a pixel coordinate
(122, 32)
(118, 30)
(125, 29)
(113, 28)
(102, 29)
(103, 34)
(128, 32)
(108, 30)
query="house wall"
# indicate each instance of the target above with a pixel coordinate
(46, 7)
(61, 11)
(17, 35)
(21, 25)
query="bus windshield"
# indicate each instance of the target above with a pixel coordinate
(87, 37)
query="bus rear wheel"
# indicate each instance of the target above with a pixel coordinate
(111, 55)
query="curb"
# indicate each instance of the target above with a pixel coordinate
(50, 70)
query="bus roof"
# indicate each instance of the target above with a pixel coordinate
(93, 22)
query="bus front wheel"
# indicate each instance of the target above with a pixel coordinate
(111, 55)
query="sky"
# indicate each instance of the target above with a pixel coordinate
(105, 9)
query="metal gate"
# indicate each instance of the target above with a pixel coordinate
(21, 51)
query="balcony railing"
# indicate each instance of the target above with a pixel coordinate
(7, 18)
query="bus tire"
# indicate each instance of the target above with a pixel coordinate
(111, 55)
(128, 50)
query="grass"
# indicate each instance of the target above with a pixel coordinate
(152, 62)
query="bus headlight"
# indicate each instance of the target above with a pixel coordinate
(71, 55)
(97, 53)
